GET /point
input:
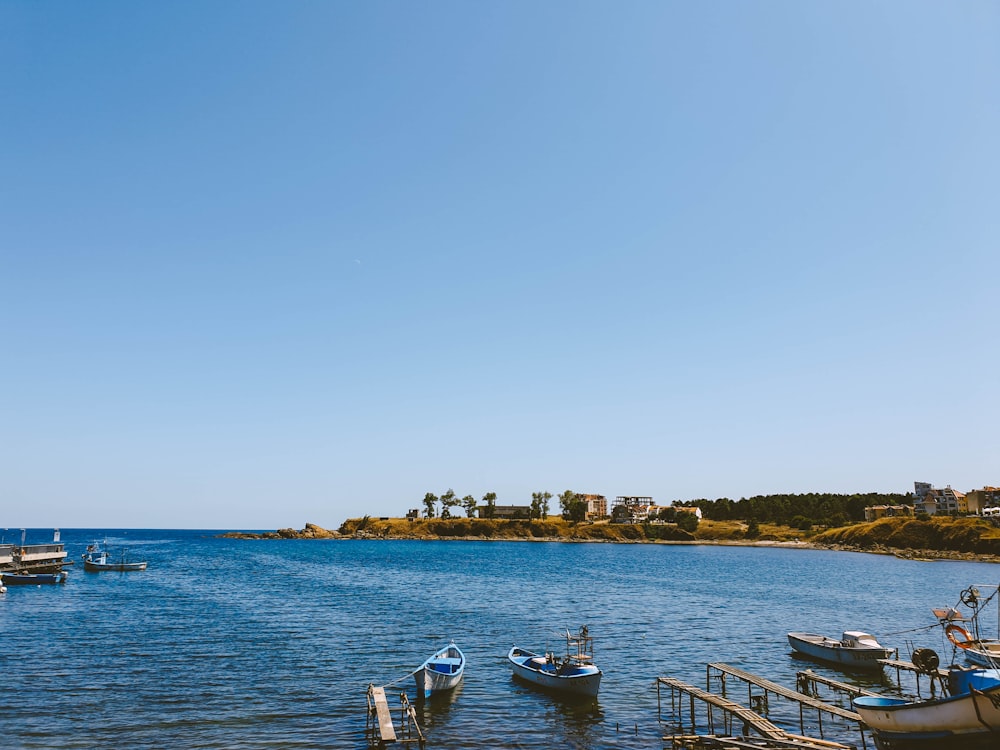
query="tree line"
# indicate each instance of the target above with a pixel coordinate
(572, 505)
(798, 511)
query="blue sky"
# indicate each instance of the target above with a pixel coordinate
(264, 263)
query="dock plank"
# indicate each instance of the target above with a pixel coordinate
(386, 731)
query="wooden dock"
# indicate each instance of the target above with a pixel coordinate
(731, 710)
(772, 687)
(806, 680)
(770, 735)
(381, 730)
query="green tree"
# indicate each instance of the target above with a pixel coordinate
(448, 501)
(469, 503)
(429, 500)
(490, 499)
(687, 521)
(574, 507)
(753, 529)
(540, 504)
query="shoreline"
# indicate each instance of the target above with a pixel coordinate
(312, 532)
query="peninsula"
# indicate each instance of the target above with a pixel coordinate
(967, 538)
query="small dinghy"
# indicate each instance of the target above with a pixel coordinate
(441, 672)
(573, 674)
(856, 650)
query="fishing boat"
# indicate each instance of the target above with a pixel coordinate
(966, 715)
(98, 558)
(970, 638)
(855, 650)
(32, 579)
(573, 674)
(963, 710)
(442, 671)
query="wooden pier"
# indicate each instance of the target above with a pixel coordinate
(807, 680)
(752, 720)
(381, 730)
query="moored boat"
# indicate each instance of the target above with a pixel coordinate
(32, 579)
(98, 558)
(855, 650)
(573, 674)
(33, 558)
(968, 716)
(442, 671)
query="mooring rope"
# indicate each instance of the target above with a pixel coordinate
(404, 677)
(912, 630)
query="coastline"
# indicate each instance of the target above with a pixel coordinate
(314, 532)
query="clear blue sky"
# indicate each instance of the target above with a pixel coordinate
(264, 263)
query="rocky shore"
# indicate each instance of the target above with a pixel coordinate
(313, 531)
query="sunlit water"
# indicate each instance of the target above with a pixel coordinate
(271, 644)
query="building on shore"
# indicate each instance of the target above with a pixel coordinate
(506, 511)
(940, 502)
(875, 512)
(597, 507)
(983, 500)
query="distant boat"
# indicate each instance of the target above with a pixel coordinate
(32, 579)
(574, 674)
(98, 558)
(441, 672)
(855, 650)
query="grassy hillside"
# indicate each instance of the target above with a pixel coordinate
(934, 537)
(484, 528)
(969, 535)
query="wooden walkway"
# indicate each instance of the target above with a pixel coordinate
(771, 736)
(772, 687)
(749, 718)
(807, 678)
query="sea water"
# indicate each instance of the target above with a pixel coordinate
(227, 643)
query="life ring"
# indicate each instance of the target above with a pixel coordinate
(966, 641)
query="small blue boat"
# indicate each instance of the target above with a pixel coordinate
(442, 671)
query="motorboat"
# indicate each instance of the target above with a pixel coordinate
(854, 650)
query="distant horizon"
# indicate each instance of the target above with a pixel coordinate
(307, 259)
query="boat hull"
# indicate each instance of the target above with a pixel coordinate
(441, 672)
(31, 579)
(833, 652)
(983, 653)
(962, 720)
(581, 680)
(96, 567)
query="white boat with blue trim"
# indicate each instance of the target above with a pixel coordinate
(966, 716)
(573, 674)
(442, 671)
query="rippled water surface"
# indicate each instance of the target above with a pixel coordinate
(271, 644)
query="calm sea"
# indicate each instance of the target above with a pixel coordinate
(271, 644)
